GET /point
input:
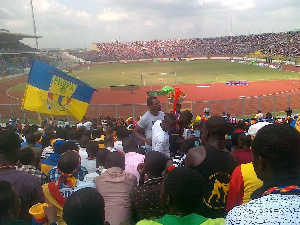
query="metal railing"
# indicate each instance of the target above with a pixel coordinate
(235, 107)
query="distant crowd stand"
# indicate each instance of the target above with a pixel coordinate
(285, 44)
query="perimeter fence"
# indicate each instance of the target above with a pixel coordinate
(242, 107)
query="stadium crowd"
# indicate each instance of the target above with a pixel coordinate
(162, 168)
(285, 44)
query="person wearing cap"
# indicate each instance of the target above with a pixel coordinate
(52, 160)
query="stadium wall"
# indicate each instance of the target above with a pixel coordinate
(242, 107)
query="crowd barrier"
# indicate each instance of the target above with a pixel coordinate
(242, 107)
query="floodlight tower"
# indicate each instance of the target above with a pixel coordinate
(34, 27)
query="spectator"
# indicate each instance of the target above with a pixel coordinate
(187, 144)
(215, 164)
(182, 194)
(67, 146)
(160, 136)
(52, 160)
(31, 140)
(27, 185)
(243, 153)
(100, 165)
(146, 122)
(121, 132)
(146, 197)
(90, 162)
(132, 157)
(79, 209)
(28, 160)
(276, 161)
(10, 204)
(115, 185)
(243, 182)
(56, 193)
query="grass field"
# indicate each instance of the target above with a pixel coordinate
(202, 71)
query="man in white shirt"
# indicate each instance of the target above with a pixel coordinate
(88, 125)
(146, 122)
(160, 136)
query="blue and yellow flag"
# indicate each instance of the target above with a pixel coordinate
(51, 91)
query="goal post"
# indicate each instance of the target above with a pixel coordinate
(153, 79)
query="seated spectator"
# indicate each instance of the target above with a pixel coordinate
(240, 127)
(132, 157)
(100, 165)
(28, 160)
(56, 192)
(10, 204)
(243, 153)
(109, 144)
(182, 194)
(31, 140)
(54, 173)
(79, 209)
(52, 160)
(90, 161)
(276, 161)
(27, 185)
(121, 133)
(235, 142)
(243, 182)
(146, 197)
(186, 145)
(115, 185)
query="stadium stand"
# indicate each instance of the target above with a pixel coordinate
(285, 44)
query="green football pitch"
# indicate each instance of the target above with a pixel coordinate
(191, 72)
(202, 71)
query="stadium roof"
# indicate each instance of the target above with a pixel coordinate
(7, 37)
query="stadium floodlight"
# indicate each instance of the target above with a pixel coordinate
(34, 27)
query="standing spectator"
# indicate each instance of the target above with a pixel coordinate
(160, 136)
(276, 161)
(115, 185)
(289, 112)
(259, 116)
(146, 122)
(215, 164)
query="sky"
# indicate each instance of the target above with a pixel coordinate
(69, 24)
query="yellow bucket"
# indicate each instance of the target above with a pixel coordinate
(37, 211)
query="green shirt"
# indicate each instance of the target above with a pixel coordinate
(192, 219)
